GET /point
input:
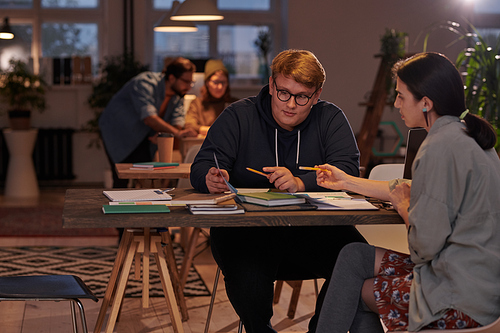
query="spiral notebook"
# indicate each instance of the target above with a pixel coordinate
(137, 195)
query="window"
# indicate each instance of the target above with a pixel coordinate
(232, 39)
(63, 28)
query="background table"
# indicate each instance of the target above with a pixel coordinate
(181, 171)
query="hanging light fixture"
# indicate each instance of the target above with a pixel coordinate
(197, 10)
(165, 24)
(5, 30)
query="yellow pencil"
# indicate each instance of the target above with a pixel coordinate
(311, 168)
(258, 172)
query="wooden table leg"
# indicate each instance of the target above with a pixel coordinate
(110, 289)
(174, 273)
(168, 290)
(188, 256)
(145, 268)
(120, 290)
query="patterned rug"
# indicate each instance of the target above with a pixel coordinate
(92, 264)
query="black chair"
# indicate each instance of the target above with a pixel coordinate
(48, 288)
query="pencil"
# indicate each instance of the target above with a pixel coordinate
(258, 172)
(311, 168)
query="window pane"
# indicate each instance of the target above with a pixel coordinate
(237, 49)
(192, 45)
(70, 3)
(70, 39)
(19, 47)
(224, 4)
(244, 4)
(162, 4)
(487, 6)
(16, 3)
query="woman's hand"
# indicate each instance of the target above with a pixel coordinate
(214, 180)
(331, 177)
(284, 180)
(400, 199)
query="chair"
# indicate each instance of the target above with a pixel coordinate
(494, 327)
(48, 288)
(386, 236)
(296, 285)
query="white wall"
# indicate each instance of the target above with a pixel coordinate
(345, 36)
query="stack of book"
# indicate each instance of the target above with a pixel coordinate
(153, 166)
(271, 199)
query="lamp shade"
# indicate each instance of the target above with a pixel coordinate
(165, 24)
(5, 30)
(197, 10)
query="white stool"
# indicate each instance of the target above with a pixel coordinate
(21, 179)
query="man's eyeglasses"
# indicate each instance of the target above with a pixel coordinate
(285, 96)
(191, 83)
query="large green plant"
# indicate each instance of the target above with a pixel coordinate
(479, 62)
(115, 72)
(21, 89)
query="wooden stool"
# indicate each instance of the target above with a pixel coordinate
(134, 243)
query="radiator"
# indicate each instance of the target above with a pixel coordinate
(52, 155)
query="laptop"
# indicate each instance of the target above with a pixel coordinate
(413, 142)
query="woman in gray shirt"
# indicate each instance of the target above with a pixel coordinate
(450, 278)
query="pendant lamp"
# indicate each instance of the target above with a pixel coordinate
(197, 10)
(165, 24)
(5, 30)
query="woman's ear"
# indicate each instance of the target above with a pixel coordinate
(427, 103)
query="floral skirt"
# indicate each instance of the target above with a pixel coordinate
(392, 295)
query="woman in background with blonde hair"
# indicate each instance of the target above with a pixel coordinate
(215, 96)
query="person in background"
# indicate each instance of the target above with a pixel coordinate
(284, 127)
(215, 96)
(149, 103)
(450, 278)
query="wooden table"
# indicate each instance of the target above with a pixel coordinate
(181, 171)
(82, 209)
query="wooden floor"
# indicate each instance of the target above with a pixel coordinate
(53, 317)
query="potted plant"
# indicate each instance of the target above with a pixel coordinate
(23, 92)
(479, 62)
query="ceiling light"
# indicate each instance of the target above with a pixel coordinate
(197, 10)
(5, 30)
(165, 24)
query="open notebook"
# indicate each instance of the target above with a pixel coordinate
(415, 138)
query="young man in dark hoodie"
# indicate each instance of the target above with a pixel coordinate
(284, 127)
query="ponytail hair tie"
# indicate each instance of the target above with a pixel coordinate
(462, 116)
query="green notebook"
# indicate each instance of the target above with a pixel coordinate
(130, 209)
(271, 198)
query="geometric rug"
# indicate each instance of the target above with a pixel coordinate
(92, 264)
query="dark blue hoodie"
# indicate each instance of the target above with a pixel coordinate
(246, 135)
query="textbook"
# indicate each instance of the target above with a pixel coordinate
(271, 198)
(203, 199)
(154, 165)
(216, 209)
(137, 195)
(129, 209)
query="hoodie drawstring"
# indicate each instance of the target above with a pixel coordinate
(276, 147)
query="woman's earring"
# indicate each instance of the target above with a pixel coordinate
(424, 110)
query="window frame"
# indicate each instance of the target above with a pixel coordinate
(37, 15)
(275, 18)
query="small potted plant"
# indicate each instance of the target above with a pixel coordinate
(23, 92)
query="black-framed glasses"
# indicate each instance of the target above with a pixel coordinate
(300, 99)
(191, 83)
